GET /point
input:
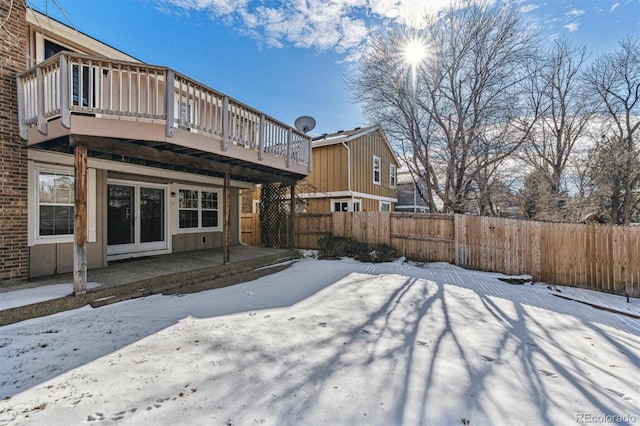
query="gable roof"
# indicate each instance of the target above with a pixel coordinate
(56, 30)
(349, 135)
(342, 136)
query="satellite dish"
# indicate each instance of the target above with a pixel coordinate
(305, 123)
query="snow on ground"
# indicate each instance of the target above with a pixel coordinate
(329, 342)
(27, 296)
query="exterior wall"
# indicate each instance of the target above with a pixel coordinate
(330, 174)
(14, 251)
(319, 205)
(329, 171)
(362, 151)
(47, 258)
(57, 258)
(205, 240)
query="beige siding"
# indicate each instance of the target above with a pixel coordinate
(329, 171)
(362, 151)
(319, 205)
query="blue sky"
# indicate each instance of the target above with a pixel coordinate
(289, 58)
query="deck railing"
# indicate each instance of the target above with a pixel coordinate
(71, 83)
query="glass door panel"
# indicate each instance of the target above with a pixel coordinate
(135, 218)
(152, 222)
(121, 216)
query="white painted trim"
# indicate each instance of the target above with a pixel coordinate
(32, 204)
(59, 33)
(346, 194)
(381, 203)
(338, 138)
(219, 228)
(350, 203)
(395, 175)
(373, 170)
(167, 237)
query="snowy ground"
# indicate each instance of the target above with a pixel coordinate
(331, 342)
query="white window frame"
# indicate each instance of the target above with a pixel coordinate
(350, 204)
(392, 175)
(385, 203)
(377, 164)
(200, 228)
(61, 238)
(333, 204)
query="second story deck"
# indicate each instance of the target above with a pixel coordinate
(151, 114)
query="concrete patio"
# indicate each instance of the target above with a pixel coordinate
(138, 277)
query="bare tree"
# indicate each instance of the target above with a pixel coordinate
(565, 113)
(458, 115)
(614, 79)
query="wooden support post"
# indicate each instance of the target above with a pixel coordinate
(80, 223)
(292, 218)
(227, 218)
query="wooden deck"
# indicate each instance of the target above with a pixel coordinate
(154, 116)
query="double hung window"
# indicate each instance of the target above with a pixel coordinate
(199, 209)
(55, 200)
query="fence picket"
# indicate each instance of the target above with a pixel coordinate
(599, 257)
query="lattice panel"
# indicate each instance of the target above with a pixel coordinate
(274, 216)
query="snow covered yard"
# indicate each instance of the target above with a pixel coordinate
(331, 342)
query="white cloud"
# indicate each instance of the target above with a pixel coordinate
(572, 27)
(576, 12)
(339, 25)
(529, 8)
(614, 7)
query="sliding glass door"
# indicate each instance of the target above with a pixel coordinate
(136, 217)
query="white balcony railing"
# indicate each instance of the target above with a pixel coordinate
(71, 83)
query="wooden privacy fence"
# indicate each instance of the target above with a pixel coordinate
(250, 229)
(600, 257)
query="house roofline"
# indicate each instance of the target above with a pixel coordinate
(347, 136)
(36, 17)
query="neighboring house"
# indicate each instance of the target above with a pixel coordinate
(140, 159)
(354, 170)
(410, 193)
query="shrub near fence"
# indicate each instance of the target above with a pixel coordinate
(599, 257)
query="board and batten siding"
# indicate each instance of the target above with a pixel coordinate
(362, 151)
(329, 172)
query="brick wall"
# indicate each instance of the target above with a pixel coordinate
(13, 155)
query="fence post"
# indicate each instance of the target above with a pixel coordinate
(456, 241)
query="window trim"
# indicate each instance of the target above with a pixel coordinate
(377, 182)
(350, 204)
(199, 228)
(61, 238)
(387, 203)
(392, 175)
